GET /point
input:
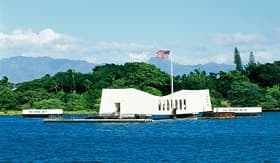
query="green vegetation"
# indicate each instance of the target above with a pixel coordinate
(252, 85)
(252, 58)
(237, 60)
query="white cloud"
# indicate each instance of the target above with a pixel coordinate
(267, 53)
(119, 52)
(204, 58)
(48, 42)
(27, 41)
(265, 47)
(237, 38)
(48, 35)
(58, 45)
(119, 46)
(139, 57)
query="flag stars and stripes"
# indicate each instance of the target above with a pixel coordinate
(163, 54)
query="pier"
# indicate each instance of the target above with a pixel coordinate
(97, 120)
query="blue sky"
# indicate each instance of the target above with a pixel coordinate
(105, 31)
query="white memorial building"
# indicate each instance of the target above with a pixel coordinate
(130, 102)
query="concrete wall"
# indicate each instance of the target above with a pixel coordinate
(196, 100)
(133, 101)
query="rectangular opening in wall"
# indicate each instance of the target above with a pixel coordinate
(159, 105)
(167, 104)
(180, 104)
(118, 108)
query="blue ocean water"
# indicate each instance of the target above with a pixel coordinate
(246, 139)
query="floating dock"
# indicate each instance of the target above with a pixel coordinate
(42, 113)
(240, 111)
(97, 120)
(217, 115)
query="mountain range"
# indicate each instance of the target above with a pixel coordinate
(20, 69)
(179, 69)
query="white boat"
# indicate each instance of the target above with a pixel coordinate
(42, 113)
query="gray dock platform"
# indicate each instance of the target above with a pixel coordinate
(97, 120)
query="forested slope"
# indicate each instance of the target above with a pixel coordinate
(255, 85)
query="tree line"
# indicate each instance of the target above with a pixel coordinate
(254, 84)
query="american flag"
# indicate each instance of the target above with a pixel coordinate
(163, 54)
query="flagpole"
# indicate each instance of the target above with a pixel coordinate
(166, 54)
(172, 87)
(171, 74)
(173, 109)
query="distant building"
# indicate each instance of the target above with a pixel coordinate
(131, 102)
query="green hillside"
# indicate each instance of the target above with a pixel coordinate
(255, 85)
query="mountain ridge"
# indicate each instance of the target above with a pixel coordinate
(180, 69)
(20, 68)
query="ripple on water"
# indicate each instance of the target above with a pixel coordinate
(249, 139)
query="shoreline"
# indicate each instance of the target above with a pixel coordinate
(16, 112)
(271, 111)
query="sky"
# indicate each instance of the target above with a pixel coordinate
(119, 31)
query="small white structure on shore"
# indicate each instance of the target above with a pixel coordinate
(130, 102)
(240, 110)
